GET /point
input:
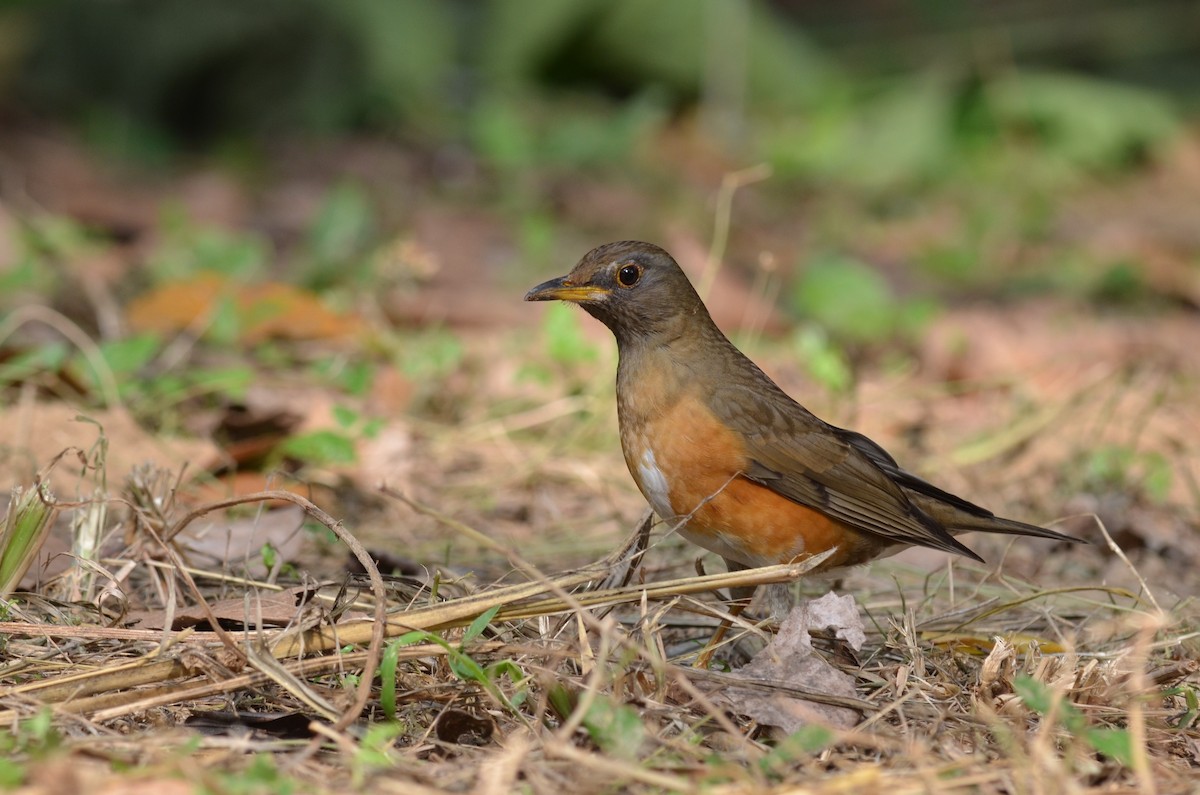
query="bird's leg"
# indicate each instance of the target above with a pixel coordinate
(740, 600)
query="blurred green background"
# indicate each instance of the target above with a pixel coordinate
(918, 148)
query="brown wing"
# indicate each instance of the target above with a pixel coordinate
(797, 455)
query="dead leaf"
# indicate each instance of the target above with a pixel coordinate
(261, 609)
(239, 541)
(791, 660)
(839, 615)
(178, 306)
(283, 311)
(265, 311)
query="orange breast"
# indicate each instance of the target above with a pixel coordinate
(688, 465)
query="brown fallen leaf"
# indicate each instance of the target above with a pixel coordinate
(262, 609)
(272, 310)
(790, 660)
(239, 540)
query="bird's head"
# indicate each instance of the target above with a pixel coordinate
(636, 289)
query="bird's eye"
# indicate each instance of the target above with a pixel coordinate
(629, 275)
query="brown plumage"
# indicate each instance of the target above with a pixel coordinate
(719, 450)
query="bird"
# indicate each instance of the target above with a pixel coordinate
(726, 456)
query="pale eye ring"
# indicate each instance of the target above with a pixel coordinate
(629, 275)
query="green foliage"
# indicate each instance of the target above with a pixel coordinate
(125, 359)
(48, 357)
(805, 742)
(30, 516)
(854, 302)
(606, 46)
(41, 243)
(126, 356)
(270, 558)
(340, 239)
(536, 233)
(374, 751)
(260, 777)
(323, 447)
(115, 133)
(33, 738)
(161, 391)
(1112, 467)
(27, 275)
(430, 355)
(1190, 718)
(187, 249)
(825, 362)
(617, 728)
(1027, 128)
(1121, 282)
(901, 137)
(565, 341)
(389, 665)
(56, 237)
(408, 53)
(331, 446)
(354, 376)
(466, 668)
(517, 136)
(1090, 123)
(1114, 743)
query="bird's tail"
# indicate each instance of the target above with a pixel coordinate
(965, 523)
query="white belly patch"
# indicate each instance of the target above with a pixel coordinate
(654, 482)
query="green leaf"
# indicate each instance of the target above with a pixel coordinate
(1034, 694)
(388, 666)
(562, 700)
(131, 354)
(502, 135)
(345, 416)
(31, 514)
(804, 742)
(1158, 474)
(229, 382)
(371, 428)
(825, 362)
(565, 340)
(1114, 743)
(847, 297)
(415, 637)
(356, 377)
(616, 728)
(1093, 123)
(431, 355)
(187, 249)
(480, 624)
(340, 236)
(468, 669)
(321, 448)
(44, 358)
(12, 774)
(269, 555)
(1042, 699)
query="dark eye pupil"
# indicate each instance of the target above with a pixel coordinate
(629, 275)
